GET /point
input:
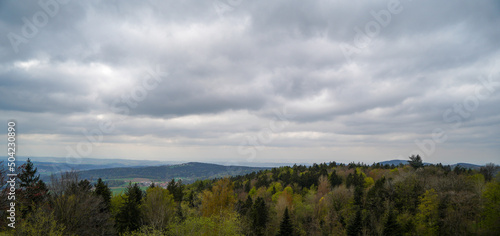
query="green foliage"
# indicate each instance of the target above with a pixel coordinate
(128, 217)
(407, 192)
(176, 189)
(297, 200)
(355, 226)
(145, 230)
(157, 208)
(32, 191)
(491, 211)
(75, 206)
(427, 216)
(210, 226)
(358, 195)
(335, 180)
(368, 182)
(416, 161)
(259, 216)
(102, 190)
(356, 179)
(286, 228)
(189, 172)
(40, 222)
(391, 226)
(220, 200)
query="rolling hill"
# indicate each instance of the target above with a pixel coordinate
(188, 172)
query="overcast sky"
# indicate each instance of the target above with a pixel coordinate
(242, 81)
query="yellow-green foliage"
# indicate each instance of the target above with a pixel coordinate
(40, 222)
(427, 216)
(145, 231)
(359, 171)
(369, 182)
(491, 212)
(252, 192)
(207, 226)
(277, 187)
(116, 202)
(220, 200)
(157, 207)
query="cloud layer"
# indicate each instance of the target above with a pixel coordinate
(253, 80)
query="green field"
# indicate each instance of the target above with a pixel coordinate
(118, 190)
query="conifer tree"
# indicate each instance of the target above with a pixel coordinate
(176, 189)
(102, 190)
(335, 180)
(391, 226)
(416, 162)
(128, 217)
(33, 191)
(286, 228)
(259, 216)
(355, 227)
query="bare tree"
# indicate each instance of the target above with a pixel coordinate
(488, 171)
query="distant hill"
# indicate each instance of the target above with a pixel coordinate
(395, 162)
(52, 165)
(464, 165)
(467, 165)
(97, 161)
(188, 172)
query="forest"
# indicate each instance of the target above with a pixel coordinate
(321, 199)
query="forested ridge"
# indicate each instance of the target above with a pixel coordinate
(322, 199)
(188, 172)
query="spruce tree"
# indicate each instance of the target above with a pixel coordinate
(391, 226)
(416, 161)
(335, 180)
(128, 217)
(28, 176)
(259, 216)
(102, 190)
(176, 189)
(286, 228)
(33, 191)
(355, 227)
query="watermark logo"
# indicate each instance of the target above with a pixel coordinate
(371, 30)
(457, 114)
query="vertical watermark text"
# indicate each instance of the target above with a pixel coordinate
(11, 173)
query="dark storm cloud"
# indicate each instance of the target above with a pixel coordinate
(248, 61)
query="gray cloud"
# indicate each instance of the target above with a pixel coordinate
(228, 72)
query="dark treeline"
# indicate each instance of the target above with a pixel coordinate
(322, 199)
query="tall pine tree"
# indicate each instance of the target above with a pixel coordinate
(391, 226)
(32, 191)
(286, 228)
(355, 227)
(259, 216)
(128, 217)
(102, 190)
(335, 180)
